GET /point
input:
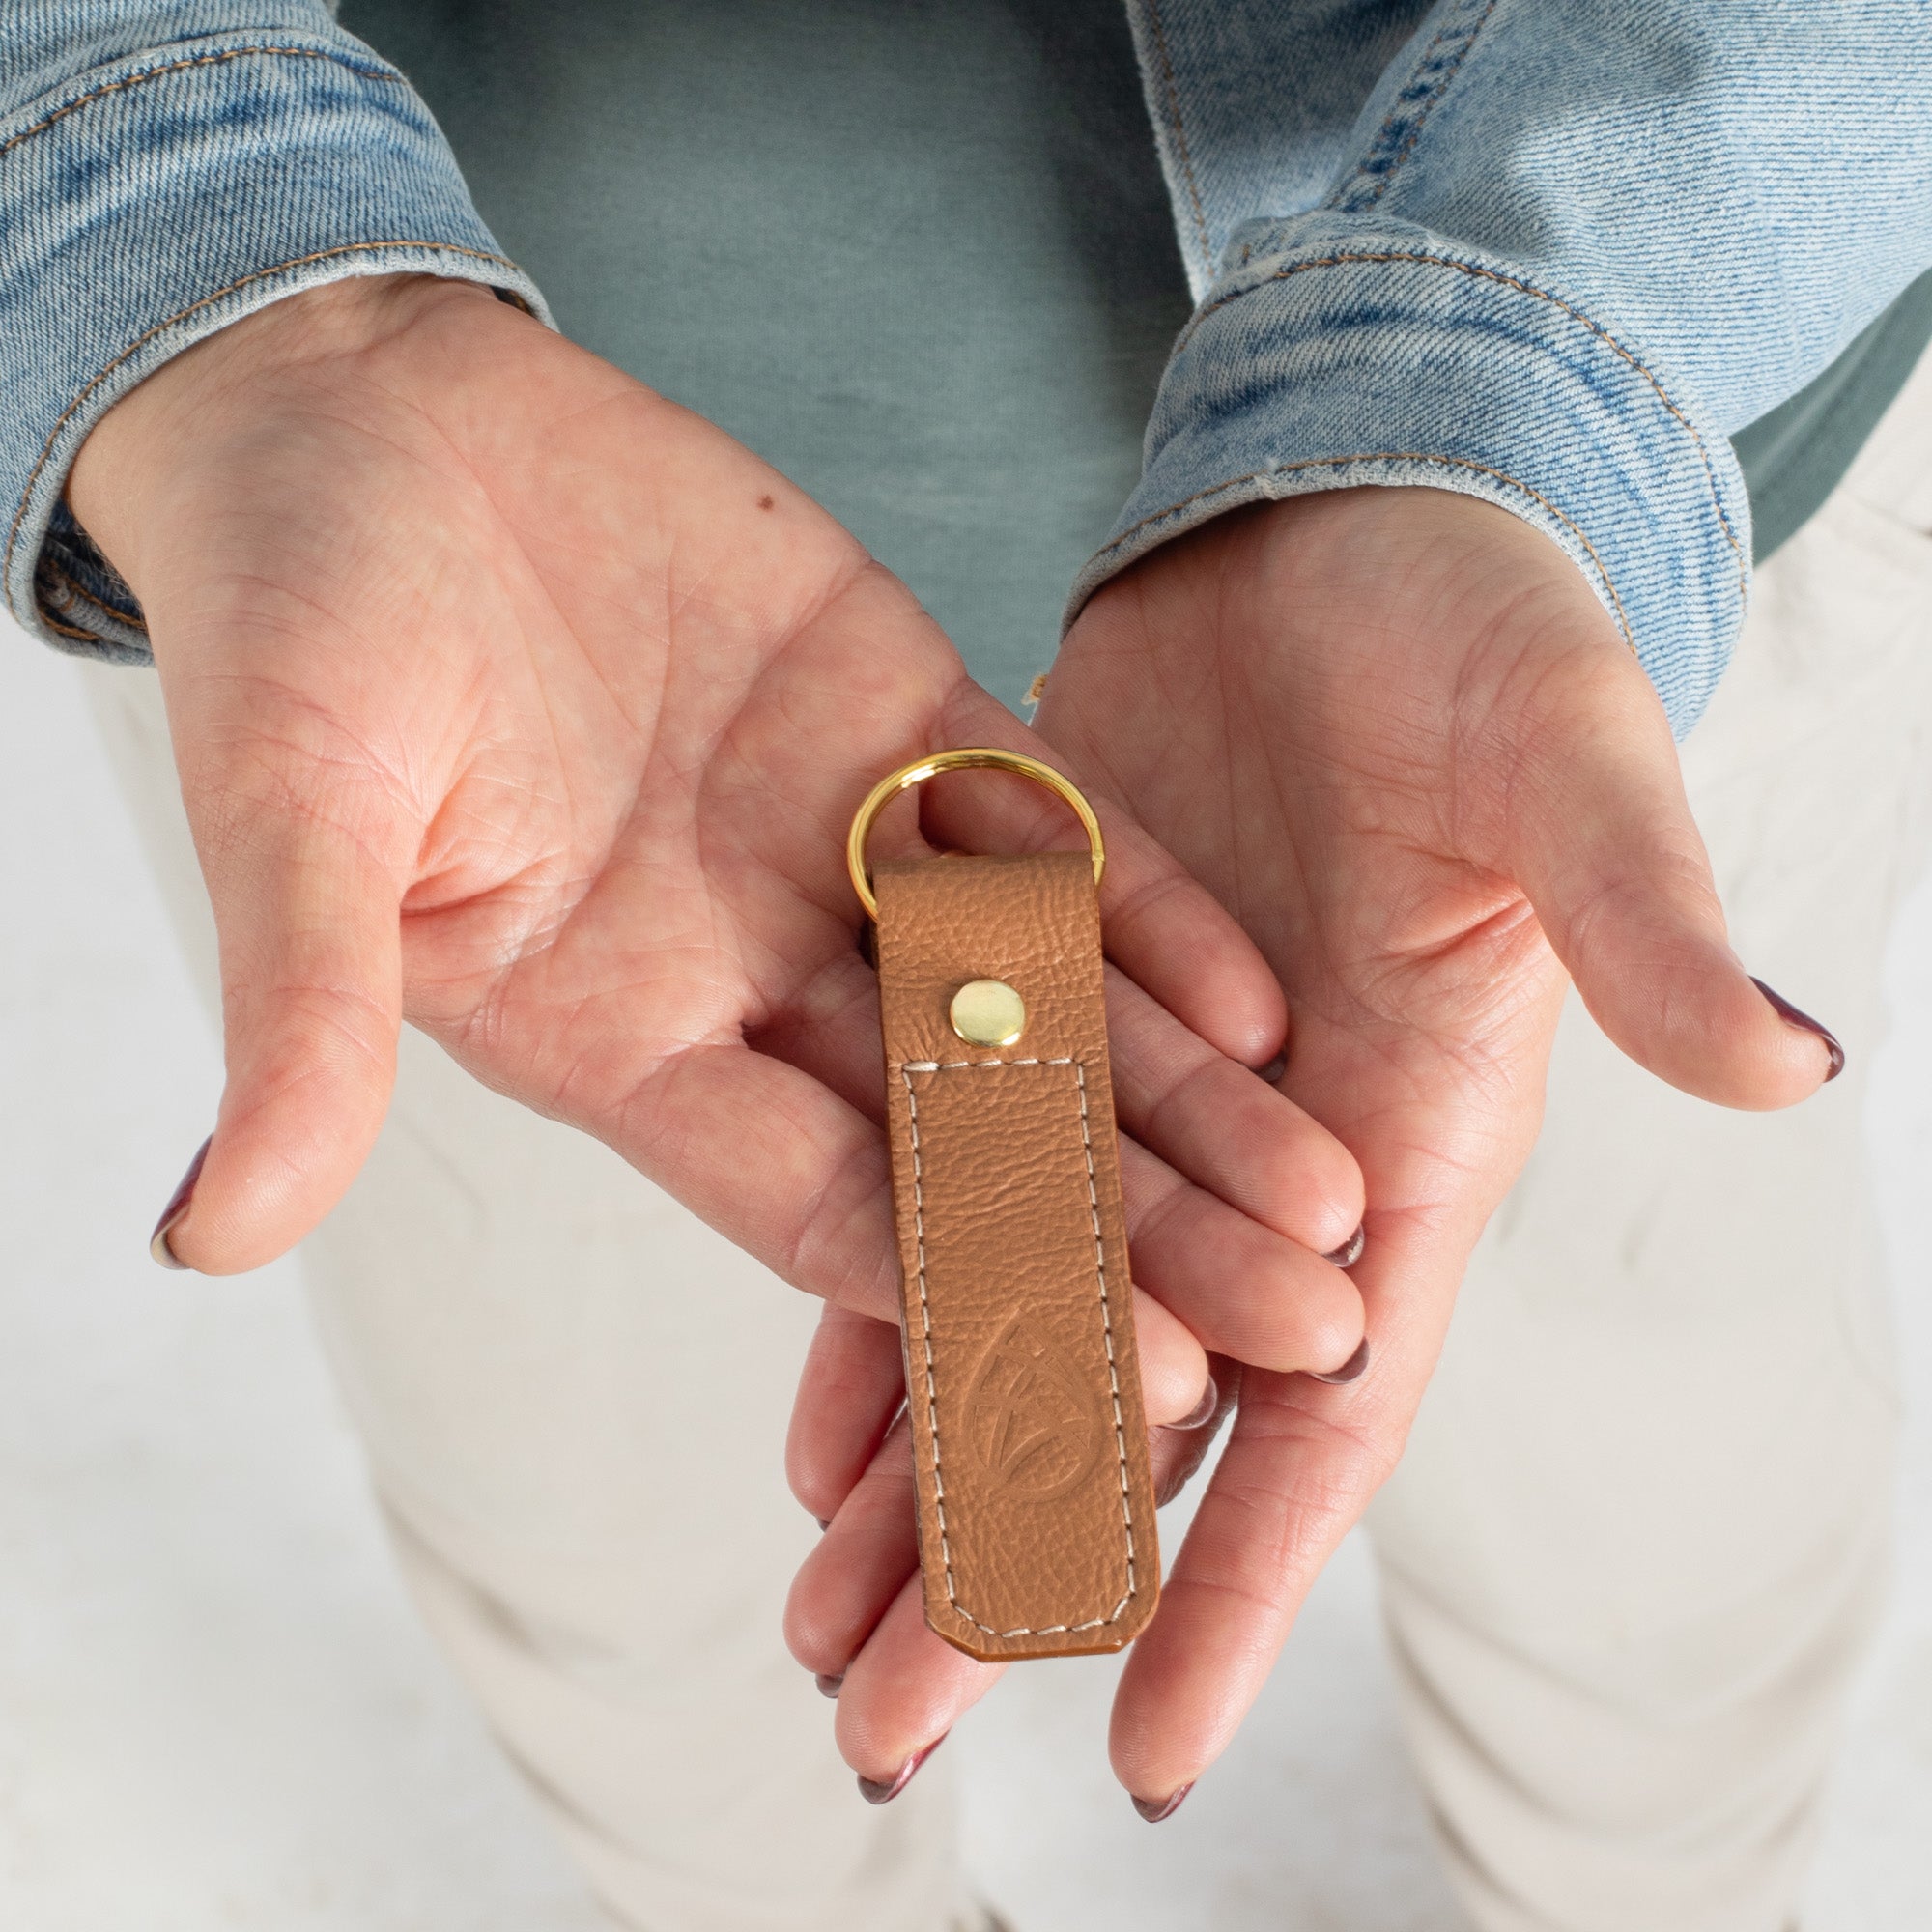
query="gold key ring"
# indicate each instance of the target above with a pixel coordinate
(980, 758)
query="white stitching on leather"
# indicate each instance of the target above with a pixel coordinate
(907, 1068)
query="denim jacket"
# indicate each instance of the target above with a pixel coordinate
(1549, 255)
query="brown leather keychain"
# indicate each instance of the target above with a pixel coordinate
(1036, 1507)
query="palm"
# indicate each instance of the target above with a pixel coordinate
(1329, 755)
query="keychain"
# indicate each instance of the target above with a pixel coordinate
(1035, 1507)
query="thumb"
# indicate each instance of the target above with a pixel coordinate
(1604, 843)
(307, 916)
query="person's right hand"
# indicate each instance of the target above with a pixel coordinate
(510, 698)
(1398, 736)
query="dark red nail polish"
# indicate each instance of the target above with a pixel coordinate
(1155, 1809)
(1351, 1250)
(882, 1791)
(1348, 1371)
(178, 1205)
(829, 1686)
(1792, 1016)
(1203, 1411)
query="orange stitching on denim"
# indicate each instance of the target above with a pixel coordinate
(161, 328)
(77, 593)
(1595, 328)
(1426, 108)
(69, 630)
(122, 85)
(1181, 135)
(1568, 522)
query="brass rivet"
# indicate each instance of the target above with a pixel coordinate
(989, 1012)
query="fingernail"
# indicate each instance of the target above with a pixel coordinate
(824, 1522)
(1203, 1410)
(178, 1205)
(1792, 1016)
(829, 1686)
(1155, 1809)
(1351, 1250)
(1348, 1371)
(1272, 1073)
(882, 1791)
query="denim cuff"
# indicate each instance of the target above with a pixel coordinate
(151, 201)
(1378, 353)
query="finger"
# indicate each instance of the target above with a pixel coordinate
(1611, 859)
(851, 1389)
(1170, 935)
(846, 1589)
(869, 1547)
(820, 1216)
(307, 911)
(1302, 1459)
(843, 1603)
(1240, 1138)
(1203, 1114)
(904, 1692)
(1238, 1288)
(1234, 1284)
(846, 1585)
(1288, 1485)
(1177, 1452)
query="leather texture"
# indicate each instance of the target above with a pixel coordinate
(1036, 1509)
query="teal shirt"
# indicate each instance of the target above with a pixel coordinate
(919, 256)
(1794, 457)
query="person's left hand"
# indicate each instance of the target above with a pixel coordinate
(511, 699)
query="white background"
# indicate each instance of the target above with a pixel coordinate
(216, 1711)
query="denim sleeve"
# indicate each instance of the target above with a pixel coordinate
(1562, 254)
(166, 167)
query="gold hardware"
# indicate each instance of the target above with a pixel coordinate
(975, 758)
(987, 1012)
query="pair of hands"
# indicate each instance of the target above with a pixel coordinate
(512, 699)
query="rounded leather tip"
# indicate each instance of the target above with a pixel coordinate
(1155, 1809)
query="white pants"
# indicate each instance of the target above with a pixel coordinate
(1629, 1563)
(1641, 1535)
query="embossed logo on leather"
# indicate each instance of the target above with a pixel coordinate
(1031, 1418)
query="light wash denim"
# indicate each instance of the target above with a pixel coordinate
(1552, 255)
(167, 167)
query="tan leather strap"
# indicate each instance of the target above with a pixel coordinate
(1036, 1509)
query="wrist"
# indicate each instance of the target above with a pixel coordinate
(124, 464)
